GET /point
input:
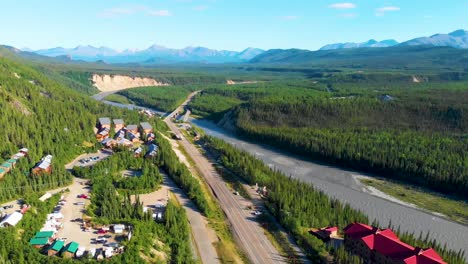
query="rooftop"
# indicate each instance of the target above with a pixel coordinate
(104, 121)
(132, 127)
(146, 125)
(39, 241)
(58, 245)
(118, 121)
(72, 247)
(44, 234)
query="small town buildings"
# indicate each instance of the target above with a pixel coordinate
(103, 134)
(104, 122)
(119, 134)
(118, 124)
(150, 137)
(384, 247)
(55, 248)
(137, 152)
(6, 166)
(132, 129)
(43, 166)
(12, 162)
(24, 151)
(38, 242)
(70, 250)
(41, 239)
(133, 137)
(152, 151)
(325, 233)
(11, 219)
(108, 142)
(146, 128)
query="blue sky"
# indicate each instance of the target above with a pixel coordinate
(223, 24)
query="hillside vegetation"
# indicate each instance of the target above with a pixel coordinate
(44, 116)
(391, 58)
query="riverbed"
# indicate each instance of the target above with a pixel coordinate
(343, 185)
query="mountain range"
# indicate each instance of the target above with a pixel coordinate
(368, 44)
(457, 39)
(157, 54)
(151, 55)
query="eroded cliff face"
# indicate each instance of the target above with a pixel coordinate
(107, 83)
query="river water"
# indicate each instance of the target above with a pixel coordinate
(342, 185)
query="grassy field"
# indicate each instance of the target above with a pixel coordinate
(118, 99)
(456, 210)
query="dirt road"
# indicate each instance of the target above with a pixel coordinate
(248, 231)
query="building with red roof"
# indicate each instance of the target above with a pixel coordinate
(384, 246)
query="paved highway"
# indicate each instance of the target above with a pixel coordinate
(248, 231)
(341, 184)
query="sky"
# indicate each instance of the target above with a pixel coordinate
(223, 24)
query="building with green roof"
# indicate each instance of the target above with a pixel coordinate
(56, 247)
(38, 241)
(47, 234)
(6, 165)
(70, 249)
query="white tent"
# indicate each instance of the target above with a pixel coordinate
(11, 219)
(44, 197)
(118, 229)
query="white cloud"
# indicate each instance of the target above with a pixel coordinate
(289, 17)
(123, 11)
(381, 11)
(348, 15)
(342, 6)
(159, 13)
(201, 8)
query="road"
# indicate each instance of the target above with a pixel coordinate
(341, 184)
(245, 227)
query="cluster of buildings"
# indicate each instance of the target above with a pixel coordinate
(52, 246)
(383, 246)
(125, 135)
(8, 165)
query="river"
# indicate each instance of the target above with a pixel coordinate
(341, 184)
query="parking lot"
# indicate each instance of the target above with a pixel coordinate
(73, 211)
(88, 159)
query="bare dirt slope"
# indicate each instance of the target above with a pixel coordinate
(108, 83)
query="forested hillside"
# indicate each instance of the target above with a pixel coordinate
(410, 132)
(391, 58)
(47, 118)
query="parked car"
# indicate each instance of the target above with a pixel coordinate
(80, 203)
(84, 196)
(257, 212)
(101, 240)
(101, 231)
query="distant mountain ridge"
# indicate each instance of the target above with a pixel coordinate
(368, 44)
(152, 54)
(456, 39)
